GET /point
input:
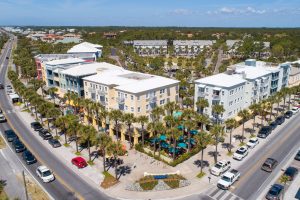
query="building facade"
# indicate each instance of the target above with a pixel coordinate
(150, 47)
(191, 47)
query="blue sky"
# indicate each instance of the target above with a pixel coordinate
(199, 13)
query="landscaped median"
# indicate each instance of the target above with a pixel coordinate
(158, 183)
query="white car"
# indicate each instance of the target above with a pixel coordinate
(241, 153)
(45, 174)
(220, 167)
(2, 118)
(252, 142)
(295, 110)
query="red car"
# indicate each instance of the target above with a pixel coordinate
(79, 162)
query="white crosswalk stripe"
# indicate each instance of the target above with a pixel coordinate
(218, 194)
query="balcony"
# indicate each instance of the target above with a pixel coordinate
(121, 100)
(92, 90)
(101, 93)
(216, 97)
(152, 99)
(201, 94)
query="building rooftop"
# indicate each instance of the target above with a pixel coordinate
(66, 61)
(128, 81)
(89, 69)
(150, 43)
(222, 80)
(69, 40)
(193, 42)
(85, 47)
(49, 57)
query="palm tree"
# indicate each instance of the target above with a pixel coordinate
(255, 111)
(201, 104)
(2, 185)
(203, 120)
(230, 124)
(262, 108)
(244, 115)
(203, 139)
(217, 110)
(216, 132)
(284, 92)
(68, 96)
(52, 113)
(104, 141)
(170, 107)
(77, 101)
(74, 128)
(52, 92)
(61, 123)
(155, 128)
(88, 134)
(174, 133)
(88, 105)
(43, 109)
(115, 149)
(271, 101)
(156, 113)
(35, 101)
(143, 120)
(116, 116)
(129, 119)
(284, 179)
(189, 123)
(97, 108)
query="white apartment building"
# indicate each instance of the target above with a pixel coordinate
(191, 47)
(150, 47)
(132, 92)
(242, 85)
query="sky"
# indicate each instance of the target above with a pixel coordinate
(183, 13)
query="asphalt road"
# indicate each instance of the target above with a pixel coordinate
(67, 185)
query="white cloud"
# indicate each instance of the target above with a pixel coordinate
(231, 10)
(181, 11)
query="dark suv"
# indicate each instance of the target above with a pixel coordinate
(36, 126)
(264, 132)
(18, 146)
(10, 135)
(279, 120)
(288, 114)
(45, 134)
(269, 165)
(275, 192)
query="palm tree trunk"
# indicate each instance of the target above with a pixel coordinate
(202, 153)
(277, 108)
(76, 141)
(143, 142)
(48, 124)
(116, 167)
(230, 140)
(271, 112)
(189, 141)
(216, 153)
(243, 132)
(89, 150)
(253, 122)
(174, 149)
(35, 111)
(117, 131)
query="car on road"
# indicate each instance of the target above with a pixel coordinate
(54, 143)
(252, 142)
(10, 135)
(45, 174)
(45, 134)
(79, 162)
(288, 114)
(240, 153)
(28, 157)
(7, 57)
(36, 126)
(220, 167)
(297, 157)
(273, 125)
(264, 132)
(18, 146)
(228, 179)
(2, 118)
(295, 110)
(275, 192)
(280, 119)
(291, 172)
(269, 165)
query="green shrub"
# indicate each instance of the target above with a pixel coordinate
(172, 183)
(147, 183)
(201, 174)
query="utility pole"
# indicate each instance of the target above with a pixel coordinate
(25, 186)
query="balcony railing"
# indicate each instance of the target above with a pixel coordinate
(121, 100)
(91, 90)
(201, 94)
(101, 93)
(216, 97)
(152, 99)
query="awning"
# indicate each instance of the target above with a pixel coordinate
(216, 88)
(182, 145)
(163, 137)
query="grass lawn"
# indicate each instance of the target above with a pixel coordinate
(200, 175)
(2, 143)
(109, 180)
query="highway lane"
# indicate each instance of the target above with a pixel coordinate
(68, 183)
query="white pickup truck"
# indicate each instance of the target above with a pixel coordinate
(228, 179)
(220, 167)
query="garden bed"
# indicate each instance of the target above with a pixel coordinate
(108, 181)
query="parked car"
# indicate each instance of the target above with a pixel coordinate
(8, 87)
(28, 157)
(252, 142)
(288, 114)
(241, 153)
(79, 162)
(275, 192)
(269, 165)
(2, 118)
(295, 110)
(264, 132)
(1, 86)
(279, 120)
(220, 167)
(297, 157)
(18, 146)
(10, 135)
(45, 134)
(228, 179)
(36, 126)
(54, 143)
(45, 174)
(291, 172)
(273, 125)
(1, 111)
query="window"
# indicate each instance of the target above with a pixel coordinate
(86, 93)
(223, 93)
(131, 96)
(90, 84)
(96, 86)
(139, 109)
(147, 107)
(162, 91)
(105, 88)
(132, 109)
(162, 102)
(85, 83)
(138, 98)
(126, 107)
(206, 89)
(231, 92)
(125, 96)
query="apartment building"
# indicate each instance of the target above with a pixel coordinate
(294, 77)
(87, 47)
(242, 85)
(131, 92)
(150, 47)
(191, 47)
